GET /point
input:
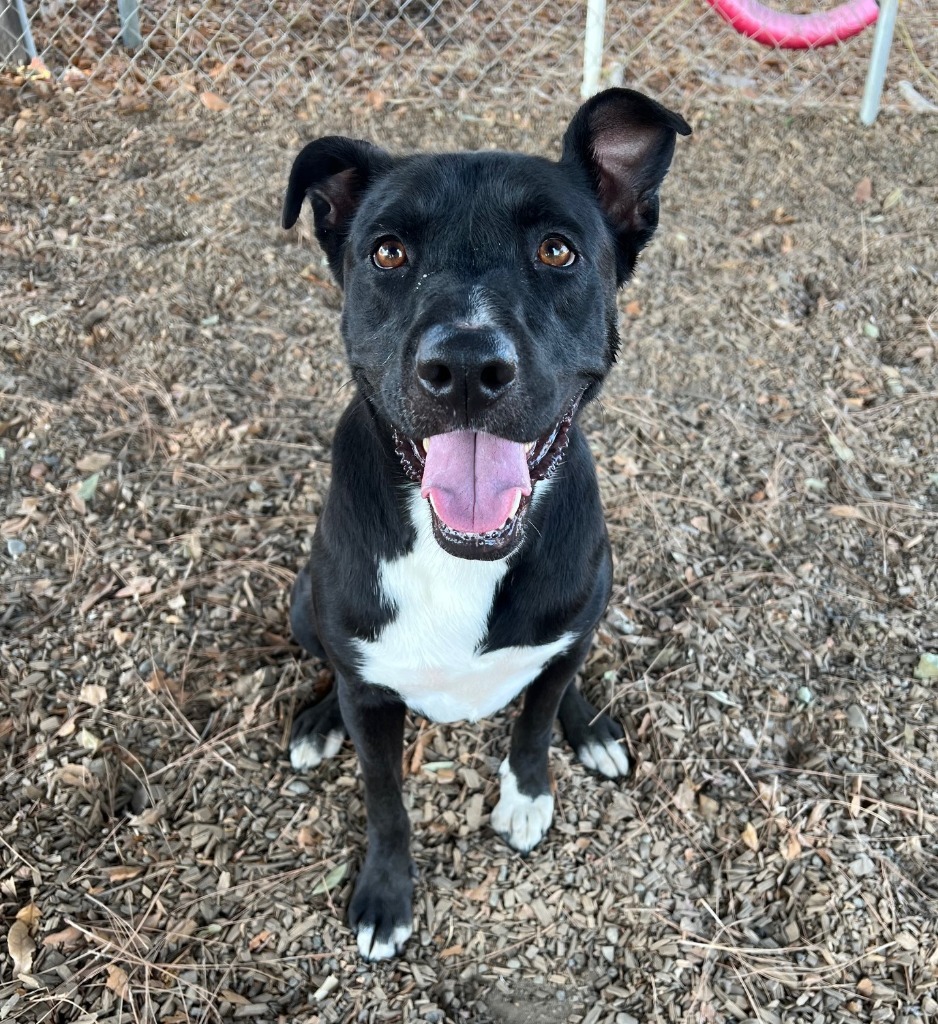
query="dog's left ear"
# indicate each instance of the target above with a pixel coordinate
(625, 142)
(334, 172)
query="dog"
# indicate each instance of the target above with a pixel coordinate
(461, 556)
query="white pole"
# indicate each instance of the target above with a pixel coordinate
(593, 47)
(879, 58)
(129, 11)
(27, 33)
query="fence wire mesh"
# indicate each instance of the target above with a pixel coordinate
(444, 51)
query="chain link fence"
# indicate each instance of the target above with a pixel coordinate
(513, 52)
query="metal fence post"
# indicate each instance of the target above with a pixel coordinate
(593, 40)
(16, 39)
(879, 58)
(129, 11)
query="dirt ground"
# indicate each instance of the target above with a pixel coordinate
(768, 452)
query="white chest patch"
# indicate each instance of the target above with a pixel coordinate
(429, 653)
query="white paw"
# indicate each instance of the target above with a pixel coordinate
(371, 950)
(310, 751)
(608, 757)
(522, 821)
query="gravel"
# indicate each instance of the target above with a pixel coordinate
(769, 467)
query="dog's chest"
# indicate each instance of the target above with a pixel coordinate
(430, 652)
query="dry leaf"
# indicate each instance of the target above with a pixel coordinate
(842, 451)
(88, 740)
(136, 587)
(21, 948)
(117, 981)
(481, 892)
(792, 848)
(123, 872)
(708, 806)
(452, 951)
(259, 940)
(845, 511)
(63, 939)
(864, 191)
(633, 308)
(148, 817)
(750, 837)
(865, 987)
(234, 998)
(182, 929)
(159, 682)
(306, 838)
(93, 462)
(75, 775)
(93, 694)
(29, 915)
(36, 71)
(685, 796)
(212, 101)
(890, 201)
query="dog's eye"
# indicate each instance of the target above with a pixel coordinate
(555, 252)
(390, 254)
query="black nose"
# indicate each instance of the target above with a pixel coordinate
(466, 369)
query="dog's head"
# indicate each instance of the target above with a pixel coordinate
(480, 288)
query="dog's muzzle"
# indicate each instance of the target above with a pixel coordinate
(479, 486)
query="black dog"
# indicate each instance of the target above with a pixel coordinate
(461, 556)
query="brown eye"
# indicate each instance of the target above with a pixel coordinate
(390, 254)
(555, 252)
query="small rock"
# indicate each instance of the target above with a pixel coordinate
(15, 547)
(298, 787)
(862, 866)
(325, 988)
(927, 667)
(856, 719)
(745, 734)
(621, 623)
(805, 695)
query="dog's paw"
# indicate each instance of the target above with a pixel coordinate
(522, 821)
(309, 751)
(317, 734)
(600, 748)
(381, 912)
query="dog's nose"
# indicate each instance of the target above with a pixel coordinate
(468, 369)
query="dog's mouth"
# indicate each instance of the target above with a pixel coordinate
(479, 486)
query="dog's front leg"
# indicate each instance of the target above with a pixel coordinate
(525, 807)
(381, 909)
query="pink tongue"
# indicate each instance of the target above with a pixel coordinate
(473, 479)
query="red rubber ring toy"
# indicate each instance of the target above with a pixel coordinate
(796, 31)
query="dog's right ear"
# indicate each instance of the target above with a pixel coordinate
(334, 173)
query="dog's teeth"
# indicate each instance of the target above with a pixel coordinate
(528, 448)
(426, 444)
(515, 505)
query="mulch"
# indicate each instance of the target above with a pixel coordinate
(170, 376)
